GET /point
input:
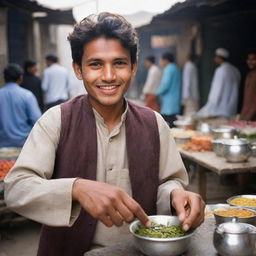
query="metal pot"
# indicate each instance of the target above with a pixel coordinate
(204, 128)
(253, 148)
(236, 150)
(224, 133)
(235, 239)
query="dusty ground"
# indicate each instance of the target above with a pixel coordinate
(23, 239)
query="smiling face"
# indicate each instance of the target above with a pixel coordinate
(106, 71)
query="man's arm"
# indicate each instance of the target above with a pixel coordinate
(29, 189)
(173, 177)
(165, 81)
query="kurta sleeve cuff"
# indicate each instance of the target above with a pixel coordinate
(164, 196)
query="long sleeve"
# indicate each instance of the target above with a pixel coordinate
(45, 81)
(29, 189)
(33, 110)
(152, 81)
(166, 81)
(172, 173)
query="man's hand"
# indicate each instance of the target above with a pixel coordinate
(189, 208)
(107, 203)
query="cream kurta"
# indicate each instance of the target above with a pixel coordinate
(30, 191)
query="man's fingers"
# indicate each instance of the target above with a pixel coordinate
(125, 213)
(196, 211)
(180, 208)
(136, 209)
(106, 220)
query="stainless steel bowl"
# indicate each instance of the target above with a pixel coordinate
(224, 133)
(236, 150)
(221, 219)
(217, 146)
(253, 148)
(161, 246)
(182, 140)
(244, 206)
(204, 128)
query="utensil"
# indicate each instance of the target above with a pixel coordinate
(221, 219)
(236, 150)
(253, 148)
(161, 246)
(217, 146)
(224, 133)
(204, 128)
(235, 239)
(244, 196)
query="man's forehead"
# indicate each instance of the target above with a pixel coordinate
(105, 48)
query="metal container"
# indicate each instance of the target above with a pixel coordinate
(235, 239)
(182, 140)
(236, 150)
(217, 146)
(244, 206)
(221, 219)
(161, 246)
(224, 133)
(253, 148)
(184, 124)
(204, 128)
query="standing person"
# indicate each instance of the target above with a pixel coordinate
(152, 83)
(190, 92)
(223, 96)
(32, 82)
(55, 83)
(170, 89)
(102, 170)
(248, 112)
(19, 109)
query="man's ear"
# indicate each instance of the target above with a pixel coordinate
(134, 68)
(78, 71)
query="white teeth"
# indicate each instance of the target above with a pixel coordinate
(107, 87)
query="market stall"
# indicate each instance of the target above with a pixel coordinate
(224, 148)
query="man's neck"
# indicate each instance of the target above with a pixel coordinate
(110, 114)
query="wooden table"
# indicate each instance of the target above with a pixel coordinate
(201, 244)
(209, 161)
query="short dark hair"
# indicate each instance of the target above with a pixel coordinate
(52, 58)
(151, 59)
(108, 25)
(168, 56)
(251, 51)
(28, 64)
(12, 73)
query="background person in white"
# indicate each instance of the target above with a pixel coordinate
(190, 93)
(152, 83)
(55, 83)
(223, 96)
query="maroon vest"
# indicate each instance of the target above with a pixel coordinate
(77, 157)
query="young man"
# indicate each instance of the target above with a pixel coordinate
(248, 112)
(32, 82)
(152, 83)
(55, 83)
(169, 91)
(223, 96)
(99, 161)
(18, 109)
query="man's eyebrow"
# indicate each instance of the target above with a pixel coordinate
(115, 59)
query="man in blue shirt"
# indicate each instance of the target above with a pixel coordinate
(19, 109)
(169, 90)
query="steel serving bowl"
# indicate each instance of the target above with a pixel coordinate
(161, 246)
(244, 206)
(224, 133)
(184, 124)
(253, 148)
(221, 219)
(182, 140)
(236, 150)
(217, 146)
(204, 128)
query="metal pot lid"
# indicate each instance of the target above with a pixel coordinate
(235, 227)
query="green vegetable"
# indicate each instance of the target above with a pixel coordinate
(162, 232)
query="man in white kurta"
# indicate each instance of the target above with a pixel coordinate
(190, 93)
(223, 96)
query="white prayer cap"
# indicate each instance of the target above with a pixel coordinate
(222, 53)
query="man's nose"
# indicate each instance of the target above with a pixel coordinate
(109, 74)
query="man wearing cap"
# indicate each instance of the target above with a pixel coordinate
(223, 96)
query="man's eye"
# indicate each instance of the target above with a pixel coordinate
(95, 64)
(120, 63)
